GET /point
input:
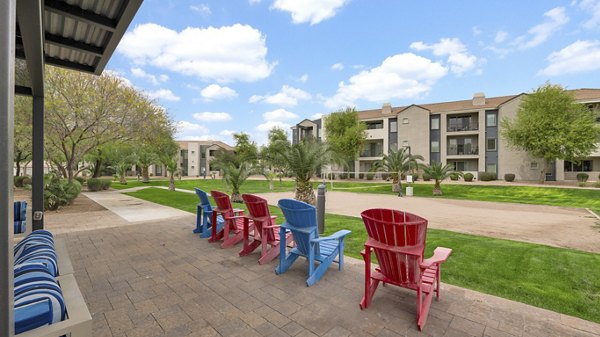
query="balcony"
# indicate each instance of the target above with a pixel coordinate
(463, 150)
(463, 123)
(372, 149)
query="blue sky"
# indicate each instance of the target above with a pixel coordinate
(248, 65)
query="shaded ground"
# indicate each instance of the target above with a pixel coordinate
(156, 278)
(550, 225)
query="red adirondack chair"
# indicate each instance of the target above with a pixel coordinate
(266, 232)
(233, 228)
(398, 239)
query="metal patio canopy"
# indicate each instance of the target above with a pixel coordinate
(75, 34)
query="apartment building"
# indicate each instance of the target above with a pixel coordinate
(464, 133)
(194, 158)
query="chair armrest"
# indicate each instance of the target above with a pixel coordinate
(440, 254)
(341, 234)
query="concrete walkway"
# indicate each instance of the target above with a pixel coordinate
(549, 225)
(156, 278)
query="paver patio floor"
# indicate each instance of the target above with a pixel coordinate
(156, 278)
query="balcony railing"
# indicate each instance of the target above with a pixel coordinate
(463, 127)
(466, 151)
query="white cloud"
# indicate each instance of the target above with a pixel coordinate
(401, 76)
(225, 54)
(500, 36)
(337, 66)
(592, 7)
(287, 96)
(227, 133)
(459, 58)
(212, 116)
(536, 35)
(253, 2)
(580, 56)
(279, 115)
(188, 130)
(164, 94)
(303, 78)
(202, 9)
(140, 73)
(215, 92)
(266, 126)
(313, 11)
(316, 116)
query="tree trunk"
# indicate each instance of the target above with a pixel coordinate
(305, 192)
(171, 182)
(437, 189)
(400, 188)
(145, 174)
(122, 179)
(395, 185)
(271, 187)
(97, 167)
(236, 197)
(18, 163)
(544, 170)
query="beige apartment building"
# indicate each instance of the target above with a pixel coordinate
(194, 158)
(464, 133)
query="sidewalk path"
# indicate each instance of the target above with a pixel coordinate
(549, 225)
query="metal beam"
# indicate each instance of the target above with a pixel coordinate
(68, 64)
(74, 44)
(130, 7)
(32, 37)
(23, 91)
(8, 10)
(37, 159)
(80, 14)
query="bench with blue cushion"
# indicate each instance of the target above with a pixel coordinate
(20, 216)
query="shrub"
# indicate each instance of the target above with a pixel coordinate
(94, 184)
(81, 180)
(454, 176)
(582, 177)
(59, 192)
(581, 183)
(509, 177)
(20, 181)
(331, 176)
(385, 176)
(105, 183)
(370, 176)
(344, 175)
(361, 176)
(415, 177)
(426, 177)
(468, 177)
(487, 176)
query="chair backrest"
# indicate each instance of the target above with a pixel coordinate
(303, 216)
(397, 229)
(223, 202)
(258, 210)
(203, 199)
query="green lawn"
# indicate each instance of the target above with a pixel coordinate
(561, 280)
(553, 196)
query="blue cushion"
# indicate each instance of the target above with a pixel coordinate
(39, 305)
(47, 256)
(20, 227)
(20, 210)
(30, 272)
(30, 240)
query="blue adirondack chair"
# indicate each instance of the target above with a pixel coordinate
(204, 216)
(301, 220)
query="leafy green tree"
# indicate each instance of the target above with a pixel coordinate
(550, 125)
(172, 169)
(346, 134)
(146, 157)
(278, 143)
(438, 173)
(122, 157)
(397, 163)
(22, 140)
(245, 148)
(234, 177)
(303, 160)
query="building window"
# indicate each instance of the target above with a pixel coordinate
(490, 168)
(393, 126)
(435, 123)
(435, 146)
(583, 166)
(533, 165)
(463, 123)
(492, 119)
(374, 125)
(404, 120)
(490, 145)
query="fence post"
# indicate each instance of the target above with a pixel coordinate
(321, 207)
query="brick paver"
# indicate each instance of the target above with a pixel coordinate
(156, 278)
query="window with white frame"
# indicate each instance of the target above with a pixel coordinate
(404, 120)
(534, 165)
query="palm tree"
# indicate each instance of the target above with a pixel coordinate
(437, 172)
(397, 163)
(172, 169)
(235, 176)
(303, 160)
